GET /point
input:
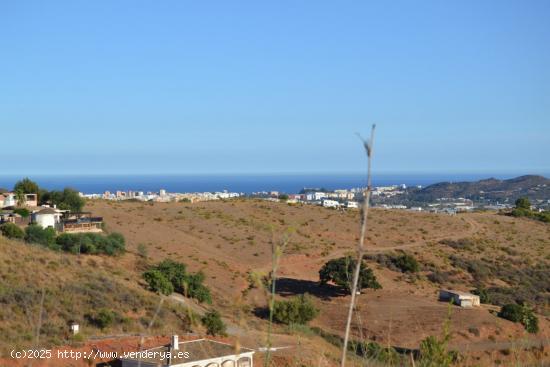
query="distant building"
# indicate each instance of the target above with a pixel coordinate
(330, 203)
(9, 199)
(459, 298)
(194, 353)
(352, 205)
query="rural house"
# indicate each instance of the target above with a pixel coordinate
(194, 353)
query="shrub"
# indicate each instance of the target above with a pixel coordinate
(92, 243)
(523, 203)
(104, 318)
(483, 294)
(520, 313)
(11, 230)
(157, 282)
(433, 353)
(38, 235)
(213, 323)
(406, 263)
(297, 310)
(24, 212)
(175, 273)
(340, 271)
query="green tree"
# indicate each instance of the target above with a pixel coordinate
(26, 186)
(20, 198)
(340, 272)
(157, 282)
(523, 203)
(297, 310)
(68, 199)
(11, 230)
(214, 324)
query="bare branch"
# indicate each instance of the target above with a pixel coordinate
(368, 144)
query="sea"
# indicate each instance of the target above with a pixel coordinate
(242, 183)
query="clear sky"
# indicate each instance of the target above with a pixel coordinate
(281, 86)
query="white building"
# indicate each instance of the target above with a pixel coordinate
(330, 203)
(195, 353)
(47, 217)
(459, 298)
(352, 205)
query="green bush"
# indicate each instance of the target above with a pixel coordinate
(484, 296)
(214, 323)
(38, 235)
(157, 282)
(433, 353)
(23, 212)
(92, 243)
(406, 263)
(523, 203)
(104, 318)
(190, 285)
(340, 271)
(297, 310)
(11, 230)
(520, 313)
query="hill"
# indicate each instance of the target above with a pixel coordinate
(230, 241)
(531, 186)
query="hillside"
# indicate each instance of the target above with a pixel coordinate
(231, 240)
(531, 186)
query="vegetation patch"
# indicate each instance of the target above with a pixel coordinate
(402, 262)
(297, 310)
(169, 276)
(520, 313)
(340, 272)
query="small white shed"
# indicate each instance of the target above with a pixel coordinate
(459, 298)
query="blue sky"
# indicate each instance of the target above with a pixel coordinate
(282, 86)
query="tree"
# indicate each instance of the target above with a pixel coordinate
(297, 310)
(68, 199)
(214, 323)
(523, 203)
(26, 186)
(157, 282)
(20, 198)
(11, 230)
(339, 271)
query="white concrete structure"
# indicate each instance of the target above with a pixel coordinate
(352, 205)
(75, 328)
(194, 353)
(459, 298)
(47, 217)
(330, 203)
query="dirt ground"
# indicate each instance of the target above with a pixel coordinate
(229, 240)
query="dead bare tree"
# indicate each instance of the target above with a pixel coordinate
(368, 144)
